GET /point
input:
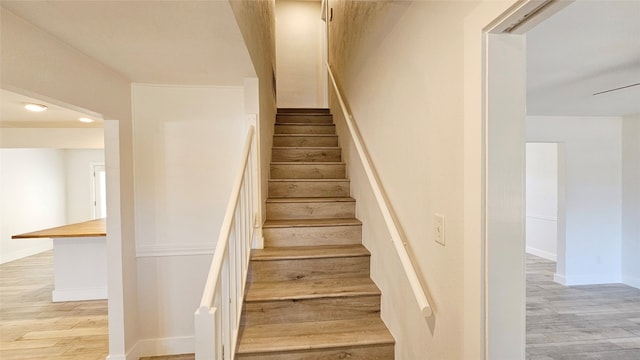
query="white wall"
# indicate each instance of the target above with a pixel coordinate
(631, 200)
(28, 68)
(593, 168)
(187, 144)
(400, 65)
(43, 188)
(79, 182)
(31, 198)
(542, 199)
(53, 138)
(299, 53)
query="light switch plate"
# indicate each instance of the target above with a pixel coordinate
(439, 228)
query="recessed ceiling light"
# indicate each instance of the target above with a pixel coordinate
(35, 107)
(86, 120)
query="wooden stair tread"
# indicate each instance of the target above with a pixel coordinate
(309, 180)
(308, 252)
(310, 289)
(305, 135)
(310, 199)
(270, 223)
(287, 111)
(305, 124)
(313, 335)
(302, 113)
(306, 148)
(306, 163)
(309, 293)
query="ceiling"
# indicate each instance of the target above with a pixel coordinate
(147, 41)
(13, 114)
(585, 48)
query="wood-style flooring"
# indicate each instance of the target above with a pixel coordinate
(563, 323)
(579, 322)
(33, 327)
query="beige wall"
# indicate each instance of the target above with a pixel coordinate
(298, 48)
(400, 65)
(256, 20)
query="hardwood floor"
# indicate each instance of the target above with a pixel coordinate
(32, 327)
(563, 323)
(579, 322)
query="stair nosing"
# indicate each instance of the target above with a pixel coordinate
(304, 252)
(305, 135)
(306, 124)
(289, 223)
(307, 147)
(308, 163)
(302, 114)
(309, 180)
(305, 199)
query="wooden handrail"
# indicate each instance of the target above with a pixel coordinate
(374, 182)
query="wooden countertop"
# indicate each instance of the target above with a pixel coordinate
(91, 228)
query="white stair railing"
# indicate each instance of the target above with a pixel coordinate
(385, 209)
(217, 319)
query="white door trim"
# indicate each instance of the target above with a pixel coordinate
(494, 181)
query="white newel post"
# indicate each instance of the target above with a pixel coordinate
(205, 328)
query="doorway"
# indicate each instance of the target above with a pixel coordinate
(494, 156)
(542, 184)
(99, 190)
(495, 128)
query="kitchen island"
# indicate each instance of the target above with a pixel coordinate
(79, 259)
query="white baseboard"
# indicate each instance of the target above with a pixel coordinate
(165, 346)
(16, 255)
(586, 279)
(560, 279)
(631, 281)
(541, 253)
(98, 293)
(119, 357)
(158, 347)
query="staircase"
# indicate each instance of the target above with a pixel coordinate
(309, 294)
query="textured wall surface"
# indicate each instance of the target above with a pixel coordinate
(400, 67)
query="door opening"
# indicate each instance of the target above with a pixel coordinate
(99, 190)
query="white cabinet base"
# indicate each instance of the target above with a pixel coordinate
(80, 269)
